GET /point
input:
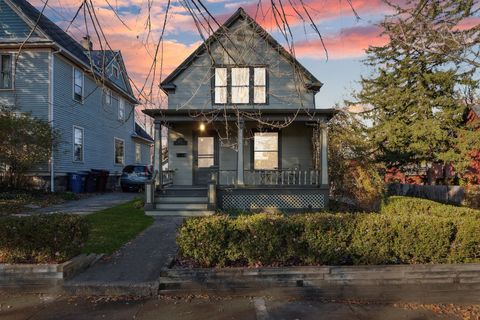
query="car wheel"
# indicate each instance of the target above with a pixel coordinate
(125, 189)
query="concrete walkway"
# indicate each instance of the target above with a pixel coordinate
(135, 267)
(90, 204)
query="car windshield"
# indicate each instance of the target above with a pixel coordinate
(135, 169)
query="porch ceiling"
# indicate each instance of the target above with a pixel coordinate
(209, 115)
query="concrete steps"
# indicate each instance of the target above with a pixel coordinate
(181, 201)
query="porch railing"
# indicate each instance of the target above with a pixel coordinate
(283, 177)
(167, 177)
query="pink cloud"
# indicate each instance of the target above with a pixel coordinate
(349, 43)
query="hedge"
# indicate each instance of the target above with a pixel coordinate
(328, 239)
(397, 205)
(41, 238)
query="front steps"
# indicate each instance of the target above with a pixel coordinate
(181, 201)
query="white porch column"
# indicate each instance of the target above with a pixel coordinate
(324, 153)
(241, 125)
(157, 154)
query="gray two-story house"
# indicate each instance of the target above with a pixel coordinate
(243, 129)
(85, 94)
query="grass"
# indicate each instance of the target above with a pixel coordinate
(16, 201)
(111, 228)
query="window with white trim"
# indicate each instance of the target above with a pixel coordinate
(108, 96)
(240, 85)
(138, 153)
(265, 151)
(121, 109)
(6, 79)
(77, 85)
(115, 71)
(119, 151)
(77, 144)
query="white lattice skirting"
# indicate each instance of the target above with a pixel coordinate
(277, 201)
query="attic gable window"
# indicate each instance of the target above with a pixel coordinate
(6, 71)
(240, 85)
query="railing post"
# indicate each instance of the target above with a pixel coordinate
(157, 155)
(212, 190)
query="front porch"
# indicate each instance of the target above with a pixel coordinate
(241, 162)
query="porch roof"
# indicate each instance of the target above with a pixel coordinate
(209, 115)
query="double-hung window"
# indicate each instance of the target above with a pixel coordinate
(240, 85)
(138, 153)
(108, 96)
(77, 85)
(119, 145)
(77, 144)
(6, 79)
(121, 109)
(265, 151)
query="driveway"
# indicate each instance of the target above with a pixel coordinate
(90, 204)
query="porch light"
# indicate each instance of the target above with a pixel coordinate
(202, 127)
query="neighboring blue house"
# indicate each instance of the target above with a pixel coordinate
(85, 94)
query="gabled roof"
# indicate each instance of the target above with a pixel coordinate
(140, 133)
(63, 39)
(167, 83)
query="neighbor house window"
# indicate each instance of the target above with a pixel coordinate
(240, 85)
(115, 71)
(138, 153)
(119, 151)
(6, 79)
(77, 85)
(77, 144)
(121, 109)
(265, 151)
(108, 96)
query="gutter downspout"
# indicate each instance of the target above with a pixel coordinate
(50, 116)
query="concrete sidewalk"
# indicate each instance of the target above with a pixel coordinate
(135, 268)
(259, 308)
(90, 204)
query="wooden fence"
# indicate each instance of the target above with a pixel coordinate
(444, 194)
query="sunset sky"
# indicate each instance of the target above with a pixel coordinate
(345, 36)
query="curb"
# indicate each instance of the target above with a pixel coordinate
(112, 289)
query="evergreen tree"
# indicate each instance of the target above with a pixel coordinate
(418, 93)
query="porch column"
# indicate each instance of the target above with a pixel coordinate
(240, 125)
(157, 154)
(324, 153)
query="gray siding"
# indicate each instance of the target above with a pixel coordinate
(98, 120)
(31, 84)
(119, 82)
(11, 25)
(285, 87)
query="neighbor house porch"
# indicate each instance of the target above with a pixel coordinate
(252, 161)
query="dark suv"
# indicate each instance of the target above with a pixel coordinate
(134, 177)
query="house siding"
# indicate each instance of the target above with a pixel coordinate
(285, 87)
(98, 120)
(11, 25)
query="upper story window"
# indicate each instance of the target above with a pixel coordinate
(115, 71)
(240, 85)
(121, 109)
(6, 79)
(77, 85)
(77, 144)
(108, 96)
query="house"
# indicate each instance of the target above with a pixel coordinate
(85, 94)
(243, 130)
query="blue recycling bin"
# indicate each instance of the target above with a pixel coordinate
(75, 182)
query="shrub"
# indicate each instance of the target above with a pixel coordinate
(407, 206)
(41, 238)
(466, 246)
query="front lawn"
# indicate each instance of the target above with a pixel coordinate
(111, 228)
(406, 231)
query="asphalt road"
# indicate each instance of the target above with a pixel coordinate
(35, 307)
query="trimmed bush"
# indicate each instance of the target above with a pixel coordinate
(41, 238)
(408, 206)
(466, 246)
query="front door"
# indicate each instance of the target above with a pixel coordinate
(204, 158)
